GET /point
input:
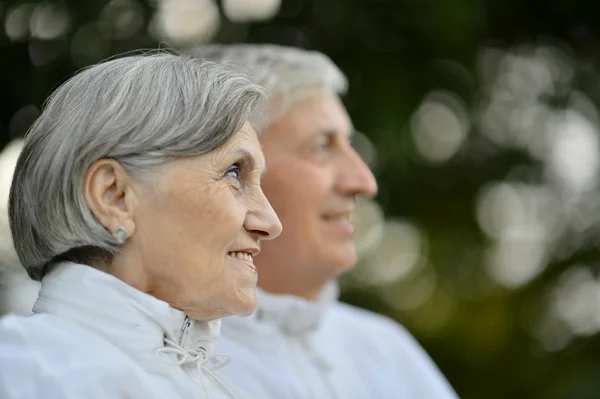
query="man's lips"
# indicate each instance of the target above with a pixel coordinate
(338, 214)
(340, 222)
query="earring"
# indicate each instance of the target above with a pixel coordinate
(121, 234)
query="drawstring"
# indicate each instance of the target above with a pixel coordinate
(200, 357)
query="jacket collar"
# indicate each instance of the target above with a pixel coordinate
(130, 319)
(288, 313)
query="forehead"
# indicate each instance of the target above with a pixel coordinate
(245, 144)
(246, 136)
(315, 113)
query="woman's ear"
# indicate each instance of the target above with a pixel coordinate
(109, 193)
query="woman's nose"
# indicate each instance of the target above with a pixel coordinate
(263, 221)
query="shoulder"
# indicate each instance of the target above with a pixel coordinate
(43, 356)
(43, 332)
(364, 320)
(388, 341)
(27, 332)
(373, 328)
(52, 339)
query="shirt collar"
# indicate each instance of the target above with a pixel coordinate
(291, 314)
(113, 309)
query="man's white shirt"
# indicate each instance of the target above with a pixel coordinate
(291, 348)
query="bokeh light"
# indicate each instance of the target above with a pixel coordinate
(440, 126)
(122, 18)
(49, 21)
(182, 22)
(16, 24)
(250, 10)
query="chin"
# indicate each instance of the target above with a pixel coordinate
(343, 258)
(245, 305)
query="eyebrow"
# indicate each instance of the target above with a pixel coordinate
(250, 159)
(333, 132)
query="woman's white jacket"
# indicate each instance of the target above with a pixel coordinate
(92, 336)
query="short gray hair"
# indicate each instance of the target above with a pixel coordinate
(283, 71)
(141, 110)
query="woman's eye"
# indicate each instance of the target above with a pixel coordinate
(234, 172)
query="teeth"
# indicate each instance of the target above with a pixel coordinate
(241, 255)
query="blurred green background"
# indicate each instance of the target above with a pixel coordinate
(480, 120)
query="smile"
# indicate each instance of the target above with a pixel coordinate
(245, 257)
(340, 222)
(337, 217)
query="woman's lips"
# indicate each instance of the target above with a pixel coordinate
(244, 257)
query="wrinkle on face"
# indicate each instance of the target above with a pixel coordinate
(189, 217)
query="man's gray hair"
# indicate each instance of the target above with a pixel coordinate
(284, 71)
(141, 110)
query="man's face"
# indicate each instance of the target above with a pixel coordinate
(313, 177)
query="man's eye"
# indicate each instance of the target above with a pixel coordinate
(323, 144)
(234, 172)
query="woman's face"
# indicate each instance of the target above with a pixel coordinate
(198, 224)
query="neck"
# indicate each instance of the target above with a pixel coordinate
(128, 269)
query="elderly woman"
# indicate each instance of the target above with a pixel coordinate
(136, 201)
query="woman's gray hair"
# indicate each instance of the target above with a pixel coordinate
(141, 110)
(285, 72)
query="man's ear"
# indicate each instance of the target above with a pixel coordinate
(108, 192)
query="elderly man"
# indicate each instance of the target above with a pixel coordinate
(301, 342)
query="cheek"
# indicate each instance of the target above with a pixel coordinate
(220, 220)
(224, 227)
(297, 192)
(194, 224)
